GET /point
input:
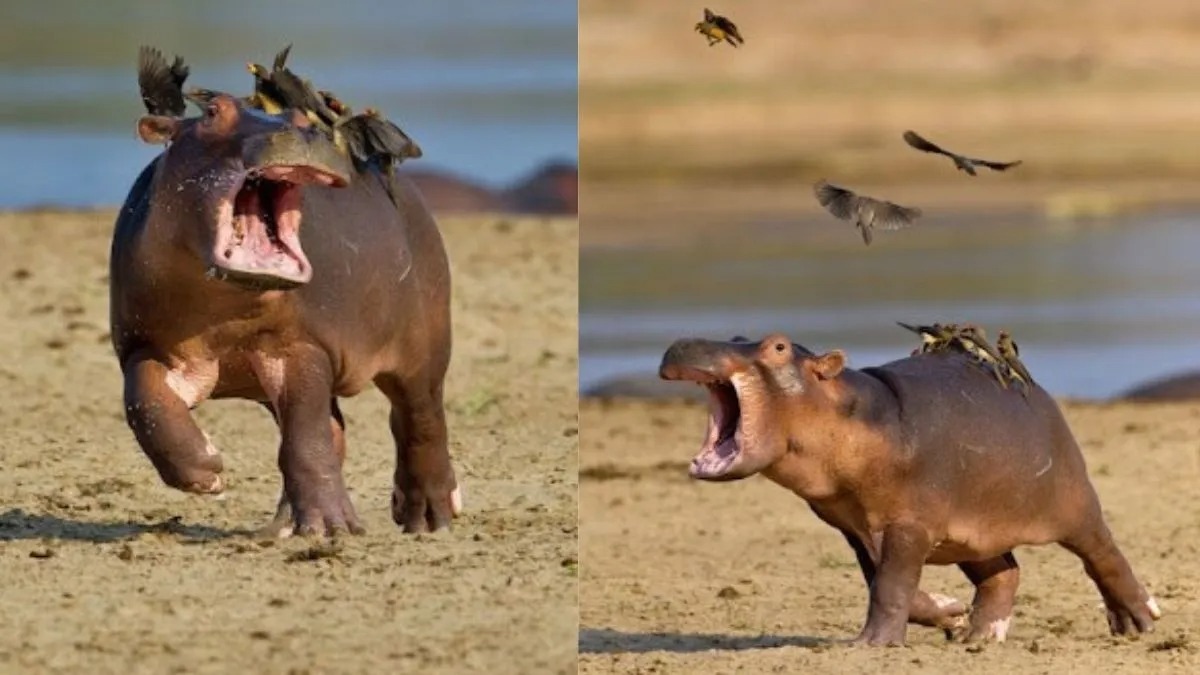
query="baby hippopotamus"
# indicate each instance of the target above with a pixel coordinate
(924, 460)
(251, 260)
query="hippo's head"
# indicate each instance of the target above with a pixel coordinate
(231, 184)
(759, 392)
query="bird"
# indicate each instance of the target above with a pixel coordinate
(866, 212)
(933, 338)
(161, 84)
(371, 136)
(973, 340)
(280, 89)
(1009, 352)
(717, 28)
(963, 163)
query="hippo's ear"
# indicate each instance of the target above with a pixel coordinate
(829, 365)
(157, 129)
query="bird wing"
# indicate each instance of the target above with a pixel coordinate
(161, 84)
(388, 138)
(891, 216)
(708, 14)
(281, 58)
(996, 166)
(916, 141)
(838, 201)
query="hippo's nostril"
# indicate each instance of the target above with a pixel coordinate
(228, 253)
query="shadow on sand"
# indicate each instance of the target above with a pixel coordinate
(608, 641)
(16, 524)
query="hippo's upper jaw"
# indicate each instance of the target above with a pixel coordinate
(257, 243)
(738, 443)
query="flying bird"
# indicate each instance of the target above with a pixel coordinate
(963, 163)
(866, 213)
(161, 84)
(716, 28)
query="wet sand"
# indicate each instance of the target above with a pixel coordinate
(680, 576)
(107, 570)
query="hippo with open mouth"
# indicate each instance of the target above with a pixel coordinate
(924, 460)
(252, 260)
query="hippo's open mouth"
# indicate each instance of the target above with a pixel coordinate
(723, 442)
(258, 233)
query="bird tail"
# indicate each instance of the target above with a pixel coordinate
(866, 233)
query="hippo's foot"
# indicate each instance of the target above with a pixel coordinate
(327, 513)
(996, 580)
(938, 611)
(883, 636)
(421, 509)
(1129, 607)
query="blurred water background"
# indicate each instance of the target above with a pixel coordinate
(699, 161)
(487, 89)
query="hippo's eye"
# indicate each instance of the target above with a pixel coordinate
(210, 111)
(780, 347)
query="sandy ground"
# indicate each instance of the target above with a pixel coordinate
(680, 576)
(106, 570)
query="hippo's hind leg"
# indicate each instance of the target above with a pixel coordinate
(308, 452)
(1130, 608)
(996, 581)
(162, 423)
(282, 525)
(425, 494)
(933, 610)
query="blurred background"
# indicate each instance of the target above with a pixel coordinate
(487, 89)
(699, 163)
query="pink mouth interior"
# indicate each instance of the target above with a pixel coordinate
(722, 445)
(259, 232)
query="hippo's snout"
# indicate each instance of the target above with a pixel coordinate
(703, 360)
(307, 154)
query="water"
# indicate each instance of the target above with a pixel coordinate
(1095, 309)
(487, 89)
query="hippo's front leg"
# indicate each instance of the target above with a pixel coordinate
(301, 387)
(162, 423)
(933, 610)
(903, 552)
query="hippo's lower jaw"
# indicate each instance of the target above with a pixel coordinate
(258, 230)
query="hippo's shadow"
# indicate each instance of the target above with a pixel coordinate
(608, 641)
(16, 524)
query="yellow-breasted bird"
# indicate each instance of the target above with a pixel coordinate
(161, 84)
(973, 340)
(717, 28)
(866, 213)
(1010, 353)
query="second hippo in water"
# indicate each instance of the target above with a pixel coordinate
(919, 461)
(251, 261)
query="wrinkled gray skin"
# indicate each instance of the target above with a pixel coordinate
(191, 321)
(925, 460)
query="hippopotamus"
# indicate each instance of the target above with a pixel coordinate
(923, 460)
(252, 260)
(1179, 387)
